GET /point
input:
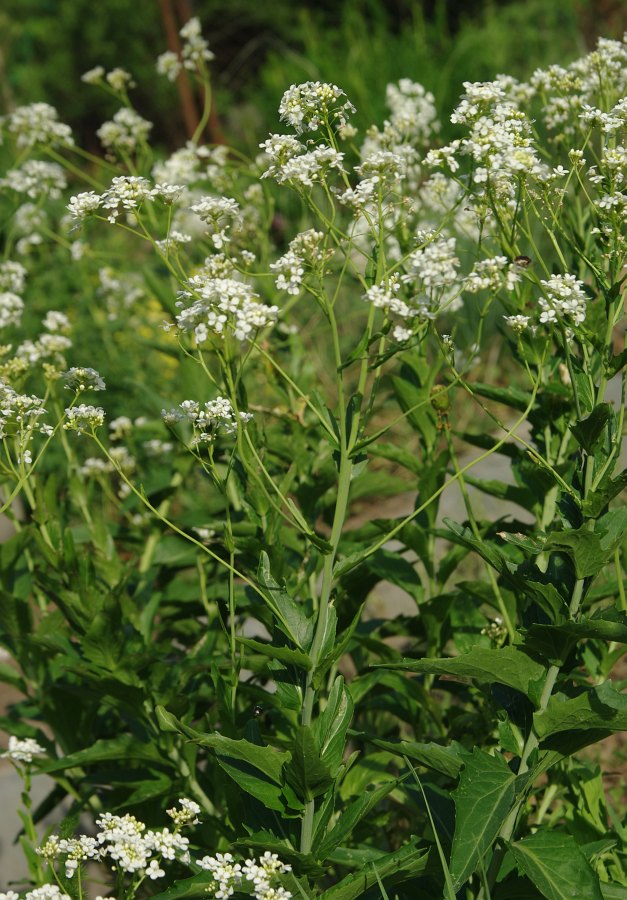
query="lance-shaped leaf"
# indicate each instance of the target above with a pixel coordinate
(124, 747)
(256, 769)
(391, 868)
(306, 773)
(291, 617)
(483, 799)
(331, 726)
(351, 815)
(600, 707)
(446, 760)
(557, 867)
(508, 665)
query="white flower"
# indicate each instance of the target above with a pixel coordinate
(492, 274)
(83, 204)
(11, 308)
(83, 418)
(222, 304)
(83, 378)
(12, 276)
(564, 298)
(37, 124)
(168, 64)
(517, 323)
(36, 178)
(308, 106)
(125, 131)
(120, 79)
(22, 750)
(93, 76)
(153, 870)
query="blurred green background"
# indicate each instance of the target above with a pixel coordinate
(263, 47)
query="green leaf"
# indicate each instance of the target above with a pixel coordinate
(584, 548)
(285, 654)
(600, 707)
(608, 488)
(352, 815)
(409, 461)
(256, 769)
(446, 760)
(291, 617)
(483, 799)
(557, 867)
(508, 665)
(555, 642)
(306, 773)
(389, 566)
(125, 748)
(194, 887)
(509, 396)
(393, 868)
(589, 431)
(331, 726)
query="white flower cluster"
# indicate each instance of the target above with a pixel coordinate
(126, 194)
(134, 849)
(564, 299)
(83, 419)
(308, 106)
(218, 213)
(37, 123)
(187, 814)
(434, 265)
(28, 221)
(36, 178)
(51, 344)
(194, 53)
(83, 378)
(572, 95)
(46, 892)
(292, 164)
(126, 844)
(412, 122)
(125, 132)
(207, 420)
(19, 419)
(261, 875)
(12, 276)
(119, 290)
(517, 323)
(495, 274)
(220, 305)
(22, 750)
(304, 250)
(11, 309)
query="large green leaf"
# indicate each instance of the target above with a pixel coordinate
(291, 616)
(331, 726)
(125, 747)
(352, 815)
(446, 760)
(554, 642)
(508, 665)
(306, 773)
(483, 799)
(256, 769)
(188, 888)
(557, 867)
(590, 430)
(391, 868)
(600, 707)
(285, 654)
